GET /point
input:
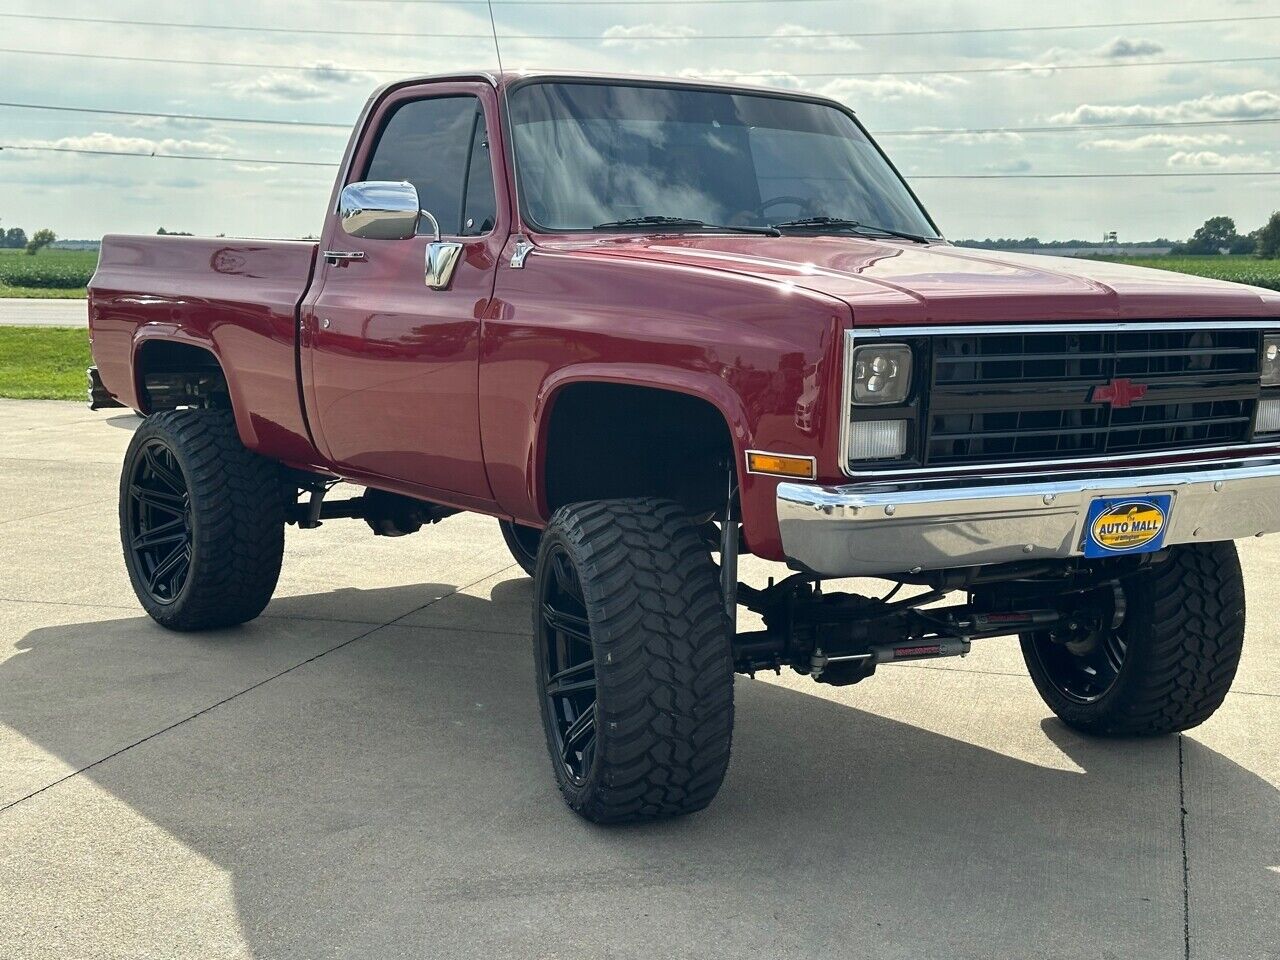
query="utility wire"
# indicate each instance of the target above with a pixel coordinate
(255, 121)
(408, 71)
(921, 176)
(346, 127)
(349, 32)
(168, 156)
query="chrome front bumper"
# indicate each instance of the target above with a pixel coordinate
(875, 529)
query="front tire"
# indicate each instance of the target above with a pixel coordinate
(201, 521)
(1169, 664)
(523, 543)
(633, 659)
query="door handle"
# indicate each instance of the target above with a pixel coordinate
(335, 256)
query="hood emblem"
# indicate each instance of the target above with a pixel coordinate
(1120, 392)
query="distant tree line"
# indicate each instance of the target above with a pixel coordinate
(15, 238)
(1217, 235)
(1034, 243)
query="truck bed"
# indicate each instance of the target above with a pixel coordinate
(237, 299)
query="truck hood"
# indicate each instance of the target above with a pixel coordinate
(899, 282)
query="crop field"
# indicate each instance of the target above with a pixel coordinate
(50, 273)
(1251, 270)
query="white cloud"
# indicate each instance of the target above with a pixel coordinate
(986, 136)
(1255, 103)
(1009, 166)
(794, 35)
(318, 82)
(116, 144)
(764, 78)
(642, 33)
(1129, 47)
(1208, 159)
(890, 88)
(1150, 140)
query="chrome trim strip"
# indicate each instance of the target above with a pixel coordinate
(856, 530)
(813, 464)
(1125, 326)
(1042, 466)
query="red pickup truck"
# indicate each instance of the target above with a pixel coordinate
(648, 325)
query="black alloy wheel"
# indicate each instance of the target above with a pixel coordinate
(159, 525)
(567, 664)
(1083, 669)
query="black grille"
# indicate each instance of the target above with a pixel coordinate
(1003, 397)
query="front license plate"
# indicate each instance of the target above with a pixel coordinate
(1118, 525)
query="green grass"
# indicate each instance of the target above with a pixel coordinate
(1250, 270)
(49, 274)
(43, 363)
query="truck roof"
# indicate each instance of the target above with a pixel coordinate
(499, 80)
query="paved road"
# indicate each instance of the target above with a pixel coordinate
(360, 773)
(43, 313)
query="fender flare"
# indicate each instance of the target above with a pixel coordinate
(162, 332)
(703, 386)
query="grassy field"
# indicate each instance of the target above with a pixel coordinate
(1251, 270)
(57, 274)
(43, 363)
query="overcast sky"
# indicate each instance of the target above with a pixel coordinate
(85, 196)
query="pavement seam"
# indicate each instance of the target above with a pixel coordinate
(32, 516)
(1186, 870)
(240, 693)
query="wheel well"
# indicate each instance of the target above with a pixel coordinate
(608, 441)
(172, 375)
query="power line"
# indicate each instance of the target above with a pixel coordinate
(1090, 176)
(346, 127)
(255, 121)
(1072, 128)
(921, 176)
(168, 156)
(348, 32)
(1019, 68)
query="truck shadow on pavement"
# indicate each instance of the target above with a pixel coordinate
(393, 798)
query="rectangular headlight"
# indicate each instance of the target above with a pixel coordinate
(1268, 419)
(1271, 360)
(877, 439)
(882, 373)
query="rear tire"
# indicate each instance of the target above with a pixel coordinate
(634, 668)
(201, 521)
(523, 543)
(1170, 663)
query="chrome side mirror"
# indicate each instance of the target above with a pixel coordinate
(390, 210)
(379, 210)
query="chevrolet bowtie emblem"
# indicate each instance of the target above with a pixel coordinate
(1120, 392)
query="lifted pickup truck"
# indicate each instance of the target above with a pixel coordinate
(648, 325)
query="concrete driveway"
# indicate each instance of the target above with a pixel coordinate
(361, 773)
(25, 312)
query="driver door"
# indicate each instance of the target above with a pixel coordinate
(390, 364)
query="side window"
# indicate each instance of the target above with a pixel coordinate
(431, 144)
(479, 206)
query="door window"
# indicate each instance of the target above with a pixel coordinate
(441, 147)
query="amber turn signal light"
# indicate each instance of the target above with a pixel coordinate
(781, 465)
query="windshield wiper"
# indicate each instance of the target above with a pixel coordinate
(837, 223)
(653, 221)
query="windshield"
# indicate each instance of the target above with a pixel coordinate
(594, 153)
